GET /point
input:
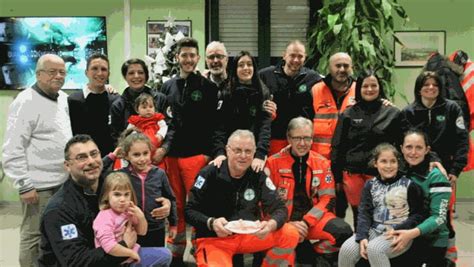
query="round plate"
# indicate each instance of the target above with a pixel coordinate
(243, 226)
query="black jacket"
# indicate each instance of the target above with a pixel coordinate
(291, 94)
(92, 116)
(359, 130)
(215, 195)
(67, 237)
(243, 109)
(445, 127)
(122, 109)
(193, 103)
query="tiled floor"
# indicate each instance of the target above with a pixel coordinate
(10, 220)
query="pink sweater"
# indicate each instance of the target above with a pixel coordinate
(109, 228)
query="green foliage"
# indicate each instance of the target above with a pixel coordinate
(363, 29)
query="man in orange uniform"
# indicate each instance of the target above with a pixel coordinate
(232, 192)
(304, 181)
(330, 98)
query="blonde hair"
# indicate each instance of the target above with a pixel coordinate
(115, 181)
(129, 137)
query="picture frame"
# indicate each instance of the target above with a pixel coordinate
(416, 46)
(156, 28)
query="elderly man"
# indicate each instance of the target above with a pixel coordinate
(234, 192)
(290, 84)
(67, 237)
(38, 127)
(216, 61)
(304, 181)
(89, 109)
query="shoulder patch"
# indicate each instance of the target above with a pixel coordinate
(328, 179)
(269, 184)
(69, 231)
(460, 123)
(199, 182)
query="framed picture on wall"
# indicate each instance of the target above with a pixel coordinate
(159, 33)
(414, 47)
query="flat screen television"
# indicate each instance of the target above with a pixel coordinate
(24, 39)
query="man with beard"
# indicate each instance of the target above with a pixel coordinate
(289, 83)
(330, 98)
(193, 102)
(216, 61)
(38, 127)
(89, 109)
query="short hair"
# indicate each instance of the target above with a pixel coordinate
(297, 123)
(142, 99)
(43, 59)
(294, 42)
(243, 134)
(217, 44)
(80, 138)
(96, 56)
(187, 42)
(381, 148)
(421, 79)
(116, 181)
(132, 61)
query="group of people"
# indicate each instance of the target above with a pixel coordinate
(283, 146)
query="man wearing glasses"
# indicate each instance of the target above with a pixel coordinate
(304, 181)
(216, 61)
(38, 127)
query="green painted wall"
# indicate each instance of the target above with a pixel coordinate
(455, 17)
(140, 12)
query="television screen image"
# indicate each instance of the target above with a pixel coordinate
(24, 39)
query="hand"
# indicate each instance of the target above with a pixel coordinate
(163, 211)
(439, 166)
(387, 102)
(270, 107)
(266, 228)
(172, 232)
(159, 137)
(258, 164)
(218, 161)
(30, 197)
(159, 155)
(135, 257)
(118, 152)
(218, 227)
(130, 236)
(111, 90)
(401, 238)
(363, 248)
(302, 228)
(135, 211)
(452, 179)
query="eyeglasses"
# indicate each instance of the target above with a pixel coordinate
(218, 56)
(298, 139)
(83, 157)
(239, 151)
(54, 72)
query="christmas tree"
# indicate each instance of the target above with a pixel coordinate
(161, 62)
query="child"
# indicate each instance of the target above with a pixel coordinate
(149, 122)
(389, 202)
(149, 183)
(118, 211)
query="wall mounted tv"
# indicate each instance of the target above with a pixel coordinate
(24, 39)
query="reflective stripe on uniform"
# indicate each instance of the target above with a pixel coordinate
(326, 116)
(318, 139)
(315, 212)
(329, 191)
(440, 189)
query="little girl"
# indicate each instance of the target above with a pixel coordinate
(149, 122)
(118, 212)
(149, 183)
(389, 202)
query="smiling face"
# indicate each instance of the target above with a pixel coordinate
(119, 200)
(429, 90)
(370, 89)
(240, 151)
(300, 140)
(98, 74)
(84, 163)
(294, 57)
(414, 149)
(51, 76)
(387, 164)
(139, 156)
(216, 60)
(135, 77)
(340, 67)
(245, 69)
(188, 59)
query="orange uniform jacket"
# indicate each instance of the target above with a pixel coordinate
(326, 115)
(319, 183)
